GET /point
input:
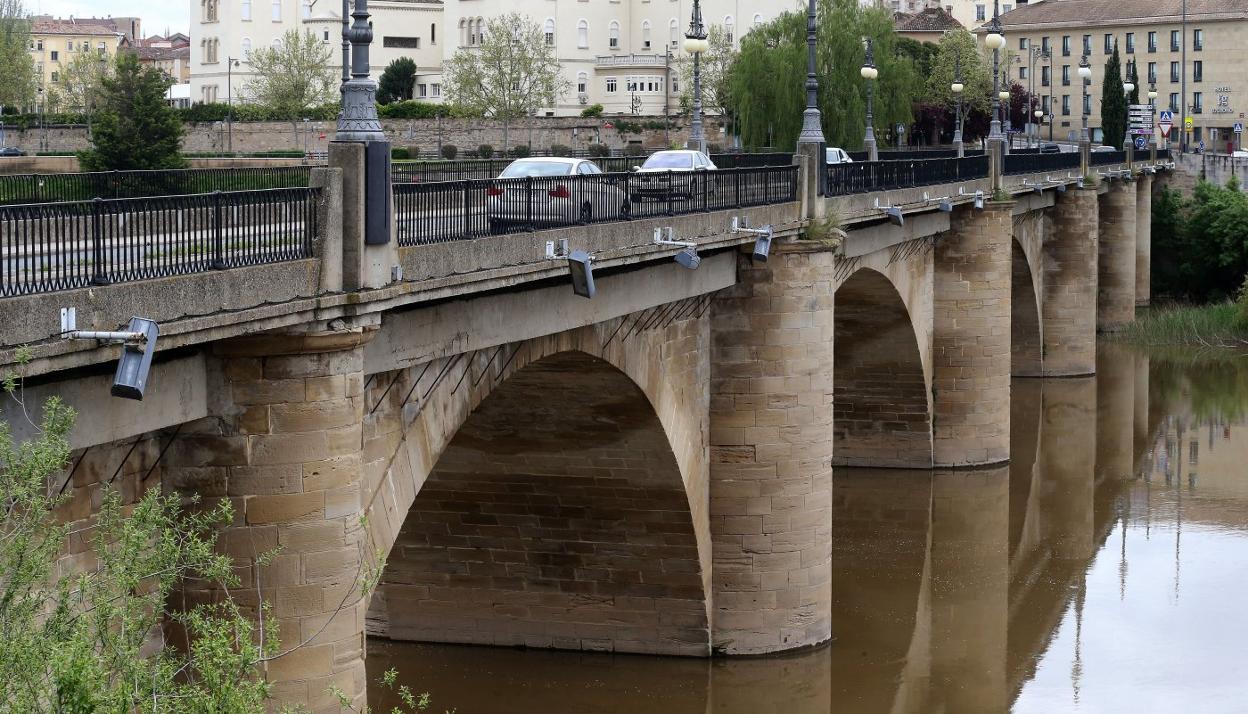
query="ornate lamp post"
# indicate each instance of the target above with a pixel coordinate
(812, 120)
(1037, 53)
(358, 119)
(1085, 79)
(1039, 115)
(957, 87)
(230, 64)
(1127, 87)
(994, 41)
(870, 73)
(696, 44)
(1152, 110)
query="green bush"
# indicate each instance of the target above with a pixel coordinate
(485, 151)
(520, 152)
(714, 148)
(449, 151)
(399, 153)
(599, 150)
(634, 150)
(593, 110)
(413, 109)
(561, 150)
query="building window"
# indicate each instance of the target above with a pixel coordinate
(611, 85)
(435, 90)
(1109, 44)
(56, 56)
(412, 43)
(1065, 105)
(55, 77)
(325, 35)
(1174, 40)
(981, 13)
(277, 10)
(1045, 46)
(729, 27)
(1130, 43)
(277, 45)
(549, 31)
(1006, 8)
(1198, 40)
(1198, 103)
(210, 13)
(1022, 73)
(1152, 72)
(1065, 75)
(433, 33)
(307, 9)
(645, 35)
(1152, 41)
(1087, 44)
(1022, 44)
(246, 46)
(422, 90)
(1174, 71)
(673, 33)
(758, 19)
(1174, 101)
(1065, 45)
(1045, 75)
(582, 34)
(582, 83)
(613, 35)
(1198, 71)
(244, 12)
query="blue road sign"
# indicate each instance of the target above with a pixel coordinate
(1201, 145)
(1166, 115)
(1239, 127)
(1141, 142)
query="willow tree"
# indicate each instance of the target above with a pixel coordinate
(767, 82)
(17, 67)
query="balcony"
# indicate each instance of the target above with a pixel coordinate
(631, 60)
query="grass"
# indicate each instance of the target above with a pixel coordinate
(1216, 325)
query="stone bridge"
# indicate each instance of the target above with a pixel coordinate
(648, 471)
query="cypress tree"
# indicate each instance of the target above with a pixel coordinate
(1113, 103)
(135, 128)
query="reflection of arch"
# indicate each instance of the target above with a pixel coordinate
(556, 517)
(882, 409)
(1026, 357)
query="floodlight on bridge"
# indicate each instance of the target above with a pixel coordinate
(944, 204)
(979, 197)
(1059, 185)
(894, 213)
(556, 249)
(138, 347)
(762, 242)
(687, 258)
(581, 266)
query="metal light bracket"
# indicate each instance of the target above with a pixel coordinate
(556, 249)
(1033, 186)
(894, 213)
(978, 195)
(762, 244)
(944, 204)
(663, 236)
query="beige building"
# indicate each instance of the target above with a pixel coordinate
(54, 43)
(170, 55)
(968, 13)
(1212, 56)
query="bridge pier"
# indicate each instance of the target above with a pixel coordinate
(1143, 239)
(1116, 286)
(771, 452)
(1115, 413)
(1070, 271)
(971, 340)
(1068, 463)
(289, 408)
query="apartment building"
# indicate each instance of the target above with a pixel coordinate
(618, 53)
(55, 42)
(1198, 63)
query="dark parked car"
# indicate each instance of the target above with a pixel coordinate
(1050, 149)
(11, 151)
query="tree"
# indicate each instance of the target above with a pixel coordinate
(80, 84)
(1134, 78)
(397, 81)
(957, 50)
(1113, 104)
(135, 127)
(17, 67)
(511, 74)
(715, 68)
(293, 75)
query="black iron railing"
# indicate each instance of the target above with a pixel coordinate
(1016, 163)
(60, 246)
(1101, 158)
(431, 171)
(460, 210)
(55, 188)
(903, 154)
(867, 176)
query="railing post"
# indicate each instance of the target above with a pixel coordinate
(218, 243)
(528, 201)
(706, 191)
(736, 179)
(467, 213)
(97, 242)
(671, 210)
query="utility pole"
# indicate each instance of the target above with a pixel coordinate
(1183, 83)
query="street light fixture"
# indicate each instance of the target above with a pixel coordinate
(1127, 88)
(1152, 110)
(812, 119)
(957, 88)
(230, 64)
(994, 41)
(695, 44)
(1085, 79)
(870, 73)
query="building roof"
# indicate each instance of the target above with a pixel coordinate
(932, 19)
(45, 25)
(156, 54)
(1090, 13)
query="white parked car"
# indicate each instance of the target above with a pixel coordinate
(687, 169)
(837, 156)
(561, 192)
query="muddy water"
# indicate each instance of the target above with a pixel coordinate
(1103, 570)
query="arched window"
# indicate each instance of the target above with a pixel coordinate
(673, 32)
(613, 35)
(582, 83)
(246, 46)
(212, 11)
(277, 44)
(582, 34)
(245, 12)
(549, 30)
(463, 32)
(758, 19)
(728, 29)
(480, 31)
(277, 10)
(645, 35)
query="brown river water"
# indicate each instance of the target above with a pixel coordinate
(1103, 570)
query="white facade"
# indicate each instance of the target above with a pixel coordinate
(613, 52)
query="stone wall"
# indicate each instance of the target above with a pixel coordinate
(248, 137)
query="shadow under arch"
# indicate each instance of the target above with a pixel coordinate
(1026, 352)
(555, 517)
(882, 412)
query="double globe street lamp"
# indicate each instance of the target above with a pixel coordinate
(1085, 80)
(695, 44)
(870, 73)
(995, 41)
(957, 88)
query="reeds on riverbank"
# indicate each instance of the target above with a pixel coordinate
(1217, 325)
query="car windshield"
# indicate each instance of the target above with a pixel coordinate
(669, 161)
(520, 169)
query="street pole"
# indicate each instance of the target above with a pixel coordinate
(1049, 109)
(1085, 139)
(1183, 84)
(358, 120)
(995, 41)
(696, 44)
(230, 64)
(869, 72)
(811, 140)
(957, 87)
(1127, 87)
(667, 93)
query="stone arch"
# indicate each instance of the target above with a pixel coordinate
(882, 405)
(1026, 351)
(644, 593)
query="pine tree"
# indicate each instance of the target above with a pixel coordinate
(397, 81)
(1113, 103)
(135, 128)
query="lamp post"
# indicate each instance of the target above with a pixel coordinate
(696, 44)
(230, 64)
(358, 120)
(870, 73)
(1152, 111)
(1039, 115)
(957, 87)
(812, 120)
(1085, 79)
(994, 41)
(1127, 88)
(1037, 53)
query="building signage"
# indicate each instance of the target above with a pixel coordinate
(1224, 100)
(1141, 119)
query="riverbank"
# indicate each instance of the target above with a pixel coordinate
(1217, 325)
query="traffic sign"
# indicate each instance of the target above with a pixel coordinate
(1141, 142)
(1239, 127)
(1201, 145)
(1166, 116)
(1188, 123)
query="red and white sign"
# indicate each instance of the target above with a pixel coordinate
(1165, 128)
